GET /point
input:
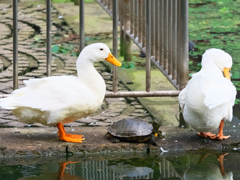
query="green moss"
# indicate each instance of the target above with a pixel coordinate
(215, 24)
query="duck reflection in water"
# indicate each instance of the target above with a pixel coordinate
(60, 175)
(208, 171)
(66, 176)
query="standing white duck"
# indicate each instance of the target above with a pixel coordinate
(209, 97)
(62, 99)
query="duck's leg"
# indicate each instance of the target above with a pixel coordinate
(220, 135)
(62, 166)
(205, 134)
(220, 159)
(63, 136)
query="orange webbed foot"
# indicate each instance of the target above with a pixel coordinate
(63, 136)
(71, 138)
(204, 134)
(219, 137)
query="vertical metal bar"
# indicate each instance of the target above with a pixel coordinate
(132, 16)
(157, 30)
(162, 33)
(178, 40)
(174, 54)
(115, 42)
(81, 23)
(140, 21)
(49, 38)
(165, 67)
(15, 44)
(152, 27)
(183, 59)
(170, 15)
(148, 45)
(109, 5)
(136, 19)
(127, 40)
(144, 23)
(182, 48)
(122, 33)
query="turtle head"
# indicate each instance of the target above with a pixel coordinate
(156, 131)
(155, 126)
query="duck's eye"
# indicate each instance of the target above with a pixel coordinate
(101, 49)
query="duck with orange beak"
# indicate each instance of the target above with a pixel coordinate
(208, 99)
(57, 100)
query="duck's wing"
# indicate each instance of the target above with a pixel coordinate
(47, 94)
(219, 92)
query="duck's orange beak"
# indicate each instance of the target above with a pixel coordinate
(113, 60)
(226, 72)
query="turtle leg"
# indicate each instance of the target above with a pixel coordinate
(107, 134)
(114, 140)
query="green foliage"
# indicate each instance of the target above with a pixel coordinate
(237, 101)
(36, 38)
(55, 48)
(215, 24)
(128, 65)
(91, 38)
(237, 85)
(64, 49)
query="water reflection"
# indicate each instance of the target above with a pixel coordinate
(209, 171)
(129, 171)
(64, 172)
(193, 166)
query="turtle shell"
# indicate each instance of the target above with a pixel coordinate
(130, 128)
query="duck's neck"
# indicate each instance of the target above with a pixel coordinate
(210, 70)
(89, 76)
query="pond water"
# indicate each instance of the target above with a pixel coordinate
(190, 166)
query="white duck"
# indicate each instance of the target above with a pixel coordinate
(63, 99)
(209, 97)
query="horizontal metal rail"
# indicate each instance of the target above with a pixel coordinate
(142, 94)
(132, 94)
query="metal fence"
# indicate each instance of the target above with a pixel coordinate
(158, 27)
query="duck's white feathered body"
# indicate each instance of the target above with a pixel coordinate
(209, 96)
(208, 100)
(64, 99)
(56, 99)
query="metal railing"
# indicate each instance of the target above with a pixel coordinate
(158, 27)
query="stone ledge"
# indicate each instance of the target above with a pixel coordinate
(44, 141)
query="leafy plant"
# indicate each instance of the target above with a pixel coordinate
(128, 64)
(64, 49)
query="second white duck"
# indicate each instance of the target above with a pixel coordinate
(209, 97)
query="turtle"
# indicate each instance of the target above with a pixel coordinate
(134, 130)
